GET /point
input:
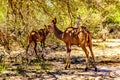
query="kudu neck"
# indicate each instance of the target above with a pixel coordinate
(58, 33)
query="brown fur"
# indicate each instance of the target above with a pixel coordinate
(37, 36)
(1, 37)
(3, 41)
(74, 36)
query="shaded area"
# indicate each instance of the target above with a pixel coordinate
(53, 67)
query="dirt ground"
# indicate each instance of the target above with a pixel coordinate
(107, 56)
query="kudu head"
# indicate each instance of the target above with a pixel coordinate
(52, 25)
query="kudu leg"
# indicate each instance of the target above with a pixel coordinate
(36, 51)
(43, 48)
(87, 56)
(92, 54)
(68, 57)
(27, 53)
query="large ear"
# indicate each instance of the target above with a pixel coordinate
(45, 25)
(54, 21)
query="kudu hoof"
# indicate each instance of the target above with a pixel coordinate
(86, 69)
(95, 69)
(43, 58)
(68, 66)
(65, 67)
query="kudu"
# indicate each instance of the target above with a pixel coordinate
(74, 36)
(37, 36)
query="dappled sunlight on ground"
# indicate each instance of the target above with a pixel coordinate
(107, 60)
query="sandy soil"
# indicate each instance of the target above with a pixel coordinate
(107, 56)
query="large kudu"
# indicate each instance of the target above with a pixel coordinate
(74, 36)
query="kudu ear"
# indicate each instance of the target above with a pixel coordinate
(54, 21)
(45, 25)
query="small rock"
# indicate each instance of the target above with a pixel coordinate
(99, 78)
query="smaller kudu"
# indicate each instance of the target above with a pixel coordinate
(74, 36)
(38, 36)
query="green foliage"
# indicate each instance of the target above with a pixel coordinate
(117, 17)
(2, 66)
(45, 65)
(32, 15)
(2, 11)
(40, 65)
(19, 69)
